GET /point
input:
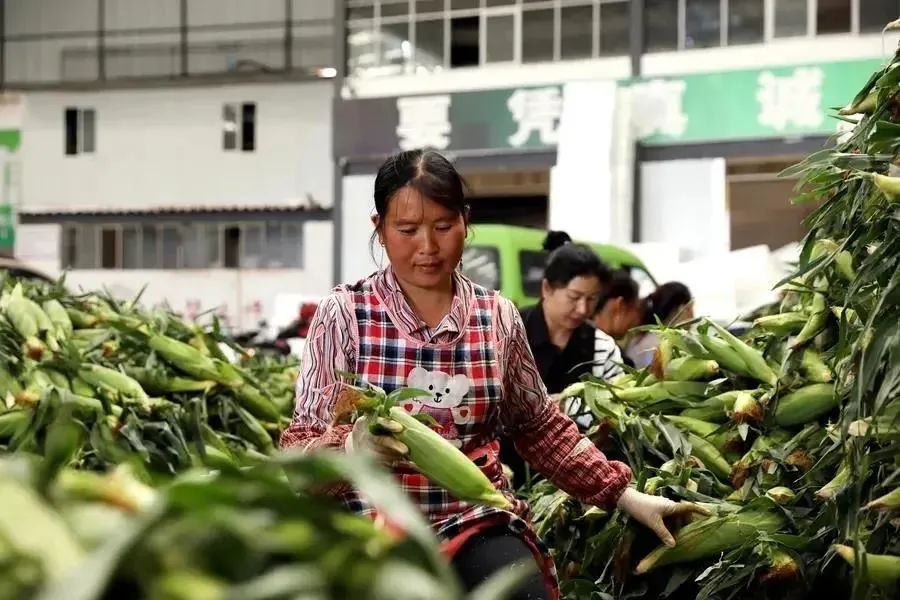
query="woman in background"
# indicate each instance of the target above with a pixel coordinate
(619, 308)
(564, 344)
(668, 304)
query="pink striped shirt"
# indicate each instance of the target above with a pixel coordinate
(543, 435)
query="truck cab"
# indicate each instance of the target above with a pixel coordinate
(511, 260)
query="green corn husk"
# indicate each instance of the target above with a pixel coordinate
(814, 368)
(724, 354)
(445, 465)
(818, 319)
(112, 380)
(782, 324)
(710, 456)
(709, 537)
(843, 261)
(716, 408)
(159, 383)
(806, 404)
(12, 422)
(831, 489)
(881, 569)
(59, 317)
(781, 495)
(660, 391)
(885, 428)
(890, 501)
(753, 359)
(688, 368)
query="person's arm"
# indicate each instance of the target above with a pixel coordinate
(607, 357)
(546, 438)
(330, 347)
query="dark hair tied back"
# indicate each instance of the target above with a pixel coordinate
(556, 239)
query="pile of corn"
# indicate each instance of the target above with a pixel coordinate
(142, 383)
(259, 533)
(790, 435)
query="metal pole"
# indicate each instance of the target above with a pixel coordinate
(288, 35)
(340, 64)
(184, 37)
(636, 52)
(101, 40)
(2, 44)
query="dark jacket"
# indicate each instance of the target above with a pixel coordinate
(559, 368)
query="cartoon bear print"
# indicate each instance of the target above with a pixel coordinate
(447, 394)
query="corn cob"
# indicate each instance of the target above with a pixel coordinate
(722, 440)
(866, 105)
(59, 317)
(760, 448)
(120, 488)
(782, 324)
(112, 380)
(843, 261)
(25, 323)
(30, 526)
(831, 489)
(688, 368)
(663, 390)
(442, 463)
(710, 456)
(881, 569)
(886, 428)
(814, 368)
(724, 354)
(890, 501)
(716, 408)
(8, 383)
(747, 409)
(161, 384)
(818, 319)
(709, 537)
(57, 378)
(258, 405)
(255, 432)
(661, 357)
(185, 357)
(82, 320)
(781, 495)
(81, 387)
(783, 567)
(11, 422)
(806, 404)
(187, 584)
(752, 358)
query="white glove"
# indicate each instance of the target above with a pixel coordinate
(385, 448)
(650, 511)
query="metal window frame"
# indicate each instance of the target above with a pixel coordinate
(595, 25)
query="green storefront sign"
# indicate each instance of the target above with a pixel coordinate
(7, 229)
(774, 102)
(748, 104)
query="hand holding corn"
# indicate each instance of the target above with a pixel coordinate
(651, 510)
(386, 448)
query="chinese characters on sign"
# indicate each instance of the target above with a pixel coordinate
(658, 108)
(793, 100)
(424, 122)
(535, 110)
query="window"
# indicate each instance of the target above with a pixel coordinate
(245, 130)
(109, 248)
(79, 130)
(481, 264)
(745, 21)
(396, 50)
(790, 18)
(464, 32)
(531, 266)
(615, 28)
(576, 32)
(187, 245)
(702, 24)
(833, 16)
(500, 42)
(429, 50)
(660, 25)
(875, 14)
(537, 35)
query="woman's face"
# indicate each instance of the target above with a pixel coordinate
(569, 306)
(618, 317)
(423, 240)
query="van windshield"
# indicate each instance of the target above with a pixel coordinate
(481, 264)
(531, 265)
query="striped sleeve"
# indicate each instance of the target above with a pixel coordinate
(330, 347)
(607, 357)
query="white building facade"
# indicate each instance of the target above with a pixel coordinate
(183, 147)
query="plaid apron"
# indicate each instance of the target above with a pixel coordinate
(465, 382)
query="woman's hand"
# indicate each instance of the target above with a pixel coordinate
(383, 447)
(651, 510)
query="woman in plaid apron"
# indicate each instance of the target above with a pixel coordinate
(419, 323)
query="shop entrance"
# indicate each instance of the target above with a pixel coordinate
(510, 197)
